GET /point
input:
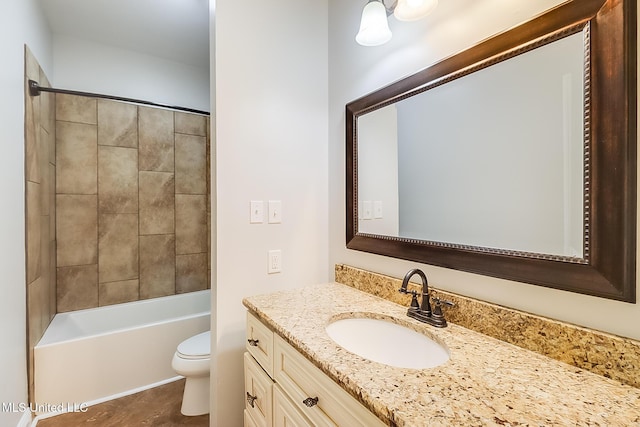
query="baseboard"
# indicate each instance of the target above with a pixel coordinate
(97, 401)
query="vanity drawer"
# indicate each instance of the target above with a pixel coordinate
(285, 413)
(303, 381)
(258, 389)
(260, 343)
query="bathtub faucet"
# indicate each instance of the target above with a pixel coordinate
(422, 311)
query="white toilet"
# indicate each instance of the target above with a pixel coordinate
(191, 360)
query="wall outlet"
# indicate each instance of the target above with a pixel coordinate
(274, 261)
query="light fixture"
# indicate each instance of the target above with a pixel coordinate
(374, 27)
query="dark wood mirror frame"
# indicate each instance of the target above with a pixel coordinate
(608, 266)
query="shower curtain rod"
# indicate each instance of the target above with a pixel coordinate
(35, 89)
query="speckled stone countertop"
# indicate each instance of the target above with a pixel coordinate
(486, 382)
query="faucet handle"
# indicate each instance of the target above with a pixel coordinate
(414, 297)
(439, 301)
(437, 310)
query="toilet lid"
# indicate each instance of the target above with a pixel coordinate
(196, 347)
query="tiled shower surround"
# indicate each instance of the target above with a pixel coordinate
(40, 207)
(132, 204)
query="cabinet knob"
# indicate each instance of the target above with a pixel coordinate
(251, 399)
(252, 342)
(310, 401)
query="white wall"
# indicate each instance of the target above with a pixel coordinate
(93, 67)
(356, 70)
(271, 143)
(20, 22)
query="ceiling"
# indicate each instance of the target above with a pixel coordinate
(177, 30)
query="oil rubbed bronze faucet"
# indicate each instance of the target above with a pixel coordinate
(423, 312)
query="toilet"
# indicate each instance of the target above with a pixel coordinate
(191, 360)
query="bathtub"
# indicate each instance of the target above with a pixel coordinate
(93, 355)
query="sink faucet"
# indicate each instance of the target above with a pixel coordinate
(422, 311)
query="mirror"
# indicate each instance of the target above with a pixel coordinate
(515, 158)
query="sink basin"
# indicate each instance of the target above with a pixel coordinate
(386, 342)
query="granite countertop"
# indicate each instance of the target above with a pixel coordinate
(485, 382)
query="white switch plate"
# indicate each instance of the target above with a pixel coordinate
(275, 211)
(367, 212)
(377, 209)
(275, 261)
(257, 212)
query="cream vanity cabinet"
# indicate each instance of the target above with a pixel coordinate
(283, 388)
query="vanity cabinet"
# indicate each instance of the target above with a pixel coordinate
(283, 388)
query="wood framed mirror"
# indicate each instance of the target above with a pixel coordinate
(509, 231)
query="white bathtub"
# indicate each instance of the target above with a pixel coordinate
(91, 355)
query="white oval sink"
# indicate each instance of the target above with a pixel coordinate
(388, 343)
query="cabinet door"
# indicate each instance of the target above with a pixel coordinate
(258, 389)
(248, 420)
(260, 343)
(285, 414)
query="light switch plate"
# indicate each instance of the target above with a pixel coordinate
(377, 209)
(275, 211)
(367, 211)
(257, 212)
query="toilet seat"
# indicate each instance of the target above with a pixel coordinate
(196, 347)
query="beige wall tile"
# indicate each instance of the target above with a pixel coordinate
(34, 230)
(31, 66)
(37, 307)
(157, 197)
(77, 109)
(117, 247)
(117, 124)
(52, 280)
(191, 224)
(117, 180)
(45, 180)
(48, 121)
(47, 106)
(117, 292)
(32, 137)
(77, 287)
(52, 201)
(191, 164)
(45, 258)
(155, 139)
(77, 229)
(191, 124)
(191, 273)
(157, 265)
(76, 158)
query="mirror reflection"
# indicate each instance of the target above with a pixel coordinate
(493, 159)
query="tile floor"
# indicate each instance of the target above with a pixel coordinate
(158, 406)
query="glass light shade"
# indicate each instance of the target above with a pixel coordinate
(374, 27)
(412, 10)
